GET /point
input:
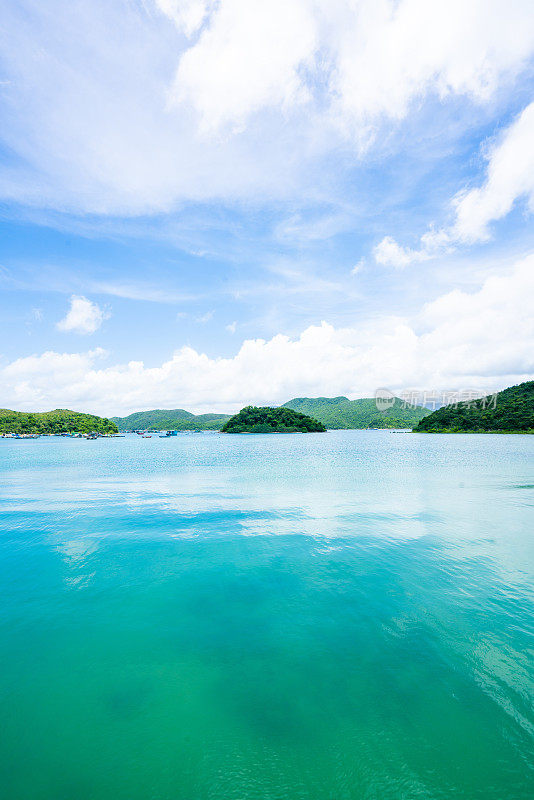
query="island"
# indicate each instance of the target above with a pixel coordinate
(333, 412)
(61, 420)
(254, 419)
(342, 413)
(509, 411)
(175, 419)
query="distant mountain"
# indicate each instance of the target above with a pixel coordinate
(173, 419)
(333, 412)
(510, 411)
(59, 421)
(340, 412)
(271, 420)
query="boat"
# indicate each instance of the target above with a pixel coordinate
(167, 434)
(91, 435)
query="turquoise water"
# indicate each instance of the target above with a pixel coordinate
(325, 616)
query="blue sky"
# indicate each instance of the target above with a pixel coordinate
(207, 204)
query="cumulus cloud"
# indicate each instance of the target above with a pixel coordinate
(509, 178)
(110, 109)
(481, 340)
(374, 56)
(82, 317)
(247, 58)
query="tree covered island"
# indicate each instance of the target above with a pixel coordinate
(509, 411)
(53, 422)
(253, 419)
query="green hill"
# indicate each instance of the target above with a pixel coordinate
(271, 420)
(59, 421)
(512, 411)
(340, 412)
(174, 419)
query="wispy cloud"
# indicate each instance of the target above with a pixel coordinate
(252, 106)
(141, 291)
(203, 318)
(509, 178)
(357, 268)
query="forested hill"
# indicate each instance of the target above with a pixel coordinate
(512, 411)
(59, 421)
(340, 412)
(253, 419)
(174, 419)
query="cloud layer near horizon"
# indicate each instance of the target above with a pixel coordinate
(482, 340)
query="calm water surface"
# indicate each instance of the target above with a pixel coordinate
(326, 616)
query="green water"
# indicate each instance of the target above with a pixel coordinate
(326, 616)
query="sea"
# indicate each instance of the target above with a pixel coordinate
(339, 616)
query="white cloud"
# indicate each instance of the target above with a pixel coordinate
(374, 56)
(247, 58)
(390, 254)
(390, 53)
(187, 15)
(232, 327)
(482, 340)
(113, 110)
(83, 316)
(509, 178)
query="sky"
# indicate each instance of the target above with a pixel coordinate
(206, 204)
